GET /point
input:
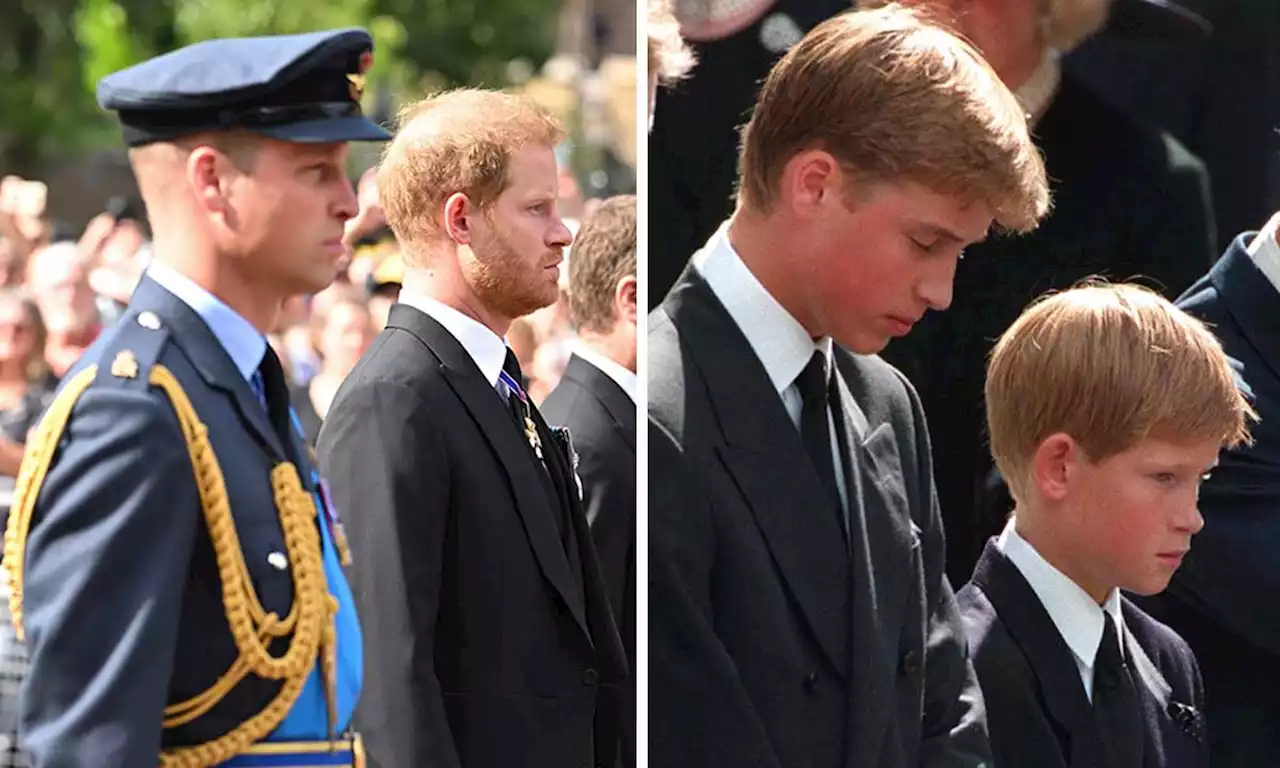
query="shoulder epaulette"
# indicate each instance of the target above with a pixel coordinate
(128, 360)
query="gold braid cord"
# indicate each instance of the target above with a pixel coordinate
(310, 620)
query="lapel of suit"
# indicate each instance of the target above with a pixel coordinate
(1048, 657)
(1250, 299)
(209, 358)
(763, 454)
(882, 560)
(1163, 733)
(485, 405)
(616, 402)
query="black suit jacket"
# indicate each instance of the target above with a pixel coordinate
(1037, 709)
(484, 648)
(772, 641)
(601, 417)
(1128, 203)
(1221, 599)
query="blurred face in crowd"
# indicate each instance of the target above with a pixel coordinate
(347, 334)
(59, 282)
(871, 260)
(10, 268)
(518, 242)
(1125, 521)
(18, 331)
(1008, 32)
(284, 209)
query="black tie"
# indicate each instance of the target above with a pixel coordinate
(1115, 701)
(515, 399)
(276, 394)
(815, 428)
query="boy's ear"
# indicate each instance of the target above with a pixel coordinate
(1053, 465)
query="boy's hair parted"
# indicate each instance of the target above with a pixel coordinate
(895, 97)
(1109, 365)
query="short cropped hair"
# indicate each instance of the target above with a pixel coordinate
(669, 56)
(895, 97)
(1109, 365)
(451, 142)
(603, 253)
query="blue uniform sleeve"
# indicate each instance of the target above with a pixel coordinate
(106, 568)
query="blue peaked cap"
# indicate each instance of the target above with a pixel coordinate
(302, 88)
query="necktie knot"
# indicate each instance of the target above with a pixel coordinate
(514, 378)
(813, 381)
(1109, 665)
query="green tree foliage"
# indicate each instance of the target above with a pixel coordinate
(53, 52)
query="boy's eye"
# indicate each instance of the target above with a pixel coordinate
(1165, 477)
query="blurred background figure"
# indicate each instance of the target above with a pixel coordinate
(59, 278)
(345, 329)
(668, 57)
(26, 385)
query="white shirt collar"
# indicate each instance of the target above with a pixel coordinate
(486, 348)
(620, 375)
(1075, 614)
(779, 340)
(1265, 252)
(244, 344)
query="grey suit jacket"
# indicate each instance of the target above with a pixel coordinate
(776, 639)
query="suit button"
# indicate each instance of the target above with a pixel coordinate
(590, 677)
(911, 664)
(811, 681)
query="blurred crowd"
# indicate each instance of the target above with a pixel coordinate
(60, 286)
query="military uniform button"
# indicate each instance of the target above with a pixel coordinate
(590, 677)
(278, 561)
(149, 320)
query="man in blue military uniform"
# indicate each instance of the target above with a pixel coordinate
(171, 554)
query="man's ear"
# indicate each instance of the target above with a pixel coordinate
(625, 299)
(458, 218)
(206, 176)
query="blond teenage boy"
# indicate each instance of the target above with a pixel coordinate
(1106, 407)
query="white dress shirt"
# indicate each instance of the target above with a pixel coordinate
(243, 342)
(1075, 614)
(626, 380)
(1265, 252)
(778, 339)
(485, 347)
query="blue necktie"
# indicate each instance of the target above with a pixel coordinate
(259, 389)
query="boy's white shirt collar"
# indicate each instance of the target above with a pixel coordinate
(1077, 617)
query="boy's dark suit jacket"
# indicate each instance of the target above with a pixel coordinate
(772, 643)
(483, 648)
(1223, 598)
(1037, 710)
(601, 417)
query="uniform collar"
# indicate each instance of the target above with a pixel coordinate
(778, 339)
(485, 347)
(241, 340)
(1075, 614)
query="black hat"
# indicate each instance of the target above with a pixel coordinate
(302, 88)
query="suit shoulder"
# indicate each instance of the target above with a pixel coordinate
(998, 660)
(125, 354)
